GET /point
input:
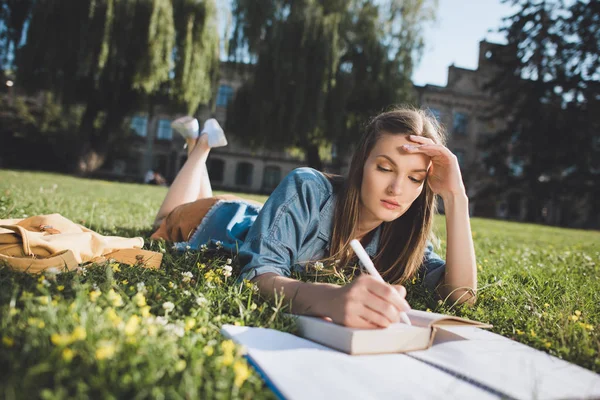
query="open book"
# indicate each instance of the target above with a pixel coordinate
(396, 338)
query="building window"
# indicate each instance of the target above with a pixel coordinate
(139, 125)
(271, 176)
(243, 174)
(459, 124)
(436, 113)
(460, 156)
(164, 131)
(216, 169)
(224, 95)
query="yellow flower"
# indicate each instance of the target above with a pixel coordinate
(228, 346)
(145, 311)
(13, 311)
(60, 339)
(208, 350)
(203, 330)
(546, 305)
(171, 285)
(519, 332)
(115, 267)
(114, 298)
(106, 349)
(574, 318)
(124, 281)
(8, 341)
(190, 323)
(132, 325)
(201, 265)
(241, 371)
(79, 333)
(533, 334)
(578, 313)
(139, 299)
(43, 300)
(113, 317)
(428, 310)
(60, 288)
(180, 365)
(94, 294)
(547, 345)
(67, 354)
(227, 359)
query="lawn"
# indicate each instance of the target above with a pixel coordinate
(110, 330)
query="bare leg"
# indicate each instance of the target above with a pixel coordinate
(192, 181)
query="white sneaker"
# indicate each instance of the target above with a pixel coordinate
(187, 127)
(216, 136)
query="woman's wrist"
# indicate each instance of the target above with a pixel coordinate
(455, 199)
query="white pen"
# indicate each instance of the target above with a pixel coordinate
(370, 267)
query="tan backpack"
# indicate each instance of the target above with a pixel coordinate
(39, 242)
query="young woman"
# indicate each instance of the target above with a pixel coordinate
(387, 201)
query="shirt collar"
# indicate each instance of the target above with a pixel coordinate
(373, 245)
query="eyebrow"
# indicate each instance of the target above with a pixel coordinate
(392, 161)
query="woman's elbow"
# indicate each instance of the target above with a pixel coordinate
(462, 295)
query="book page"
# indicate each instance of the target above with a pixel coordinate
(429, 319)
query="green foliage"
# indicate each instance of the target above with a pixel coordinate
(110, 330)
(197, 55)
(322, 67)
(115, 57)
(547, 86)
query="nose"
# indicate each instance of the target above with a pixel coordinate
(396, 187)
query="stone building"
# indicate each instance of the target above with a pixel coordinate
(459, 106)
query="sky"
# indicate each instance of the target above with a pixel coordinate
(455, 36)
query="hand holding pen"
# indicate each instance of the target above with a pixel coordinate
(368, 264)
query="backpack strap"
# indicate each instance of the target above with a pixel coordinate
(134, 257)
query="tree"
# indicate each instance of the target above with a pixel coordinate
(321, 67)
(547, 89)
(116, 56)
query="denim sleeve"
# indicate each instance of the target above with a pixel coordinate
(289, 217)
(433, 268)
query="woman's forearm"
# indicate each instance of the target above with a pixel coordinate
(460, 280)
(304, 298)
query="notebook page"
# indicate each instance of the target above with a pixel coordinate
(301, 369)
(510, 367)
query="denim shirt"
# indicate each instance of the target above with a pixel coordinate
(295, 226)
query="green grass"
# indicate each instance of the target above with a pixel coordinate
(85, 333)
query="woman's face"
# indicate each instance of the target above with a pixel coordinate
(392, 180)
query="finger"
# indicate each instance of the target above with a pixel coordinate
(374, 318)
(389, 294)
(420, 139)
(385, 308)
(401, 290)
(432, 150)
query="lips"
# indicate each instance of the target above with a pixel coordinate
(390, 205)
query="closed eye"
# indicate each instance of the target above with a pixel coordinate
(415, 180)
(380, 168)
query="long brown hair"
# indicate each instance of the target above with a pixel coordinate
(403, 241)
